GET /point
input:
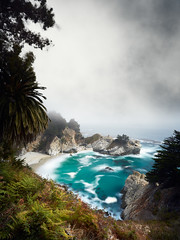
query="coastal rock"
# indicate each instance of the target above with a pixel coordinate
(69, 136)
(102, 144)
(143, 201)
(110, 146)
(135, 188)
(55, 147)
(108, 169)
(68, 141)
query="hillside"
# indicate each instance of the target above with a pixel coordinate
(35, 208)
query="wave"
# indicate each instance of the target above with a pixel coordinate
(103, 167)
(109, 200)
(47, 170)
(141, 170)
(72, 174)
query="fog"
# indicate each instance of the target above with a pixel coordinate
(114, 66)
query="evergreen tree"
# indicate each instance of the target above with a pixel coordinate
(14, 15)
(166, 169)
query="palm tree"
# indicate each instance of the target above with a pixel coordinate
(22, 114)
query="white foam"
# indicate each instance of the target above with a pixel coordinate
(117, 169)
(47, 169)
(109, 200)
(91, 187)
(127, 166)
(72, 174)
(85, 161)
(141, 170)
(100, 167)
(103, 167)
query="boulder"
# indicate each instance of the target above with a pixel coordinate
(108, 169)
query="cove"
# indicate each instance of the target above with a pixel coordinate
(96, 178)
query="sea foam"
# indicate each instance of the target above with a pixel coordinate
(47, 169)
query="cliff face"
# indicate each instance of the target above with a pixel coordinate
(142, 201)
(72, 142)
(67, 144)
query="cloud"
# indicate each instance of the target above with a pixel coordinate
(114, 62)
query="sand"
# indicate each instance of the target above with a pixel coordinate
(35, 159)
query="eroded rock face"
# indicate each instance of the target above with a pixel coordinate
(135, 187)
(55, 147)
(102, 144)
(142, 201)
(107, 145)
(66, 144)
(69, 136)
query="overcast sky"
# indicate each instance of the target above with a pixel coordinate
(115, 65)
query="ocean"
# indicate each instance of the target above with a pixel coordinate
(97, 178)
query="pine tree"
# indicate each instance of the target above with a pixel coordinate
(166, 169)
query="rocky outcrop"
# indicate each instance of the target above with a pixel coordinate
(110, 146)
(70, 141)
(66, 143)
(102, 144)
(142, 201)
(134, 188)
(55, 147)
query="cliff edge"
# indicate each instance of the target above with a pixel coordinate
(143, 201)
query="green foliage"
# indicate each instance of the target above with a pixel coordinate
(25, 188)
(33, 208)
(39, 222)
(22, 114)
(93, 138)
(166, 169)
(122, 139)
(14, 16)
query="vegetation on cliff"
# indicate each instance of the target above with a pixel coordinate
(93, 138)
(166, 169)
(35, 208)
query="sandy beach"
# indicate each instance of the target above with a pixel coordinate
(36, 160)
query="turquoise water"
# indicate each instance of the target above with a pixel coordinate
(85, 174)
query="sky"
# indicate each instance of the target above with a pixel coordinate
(114, 66)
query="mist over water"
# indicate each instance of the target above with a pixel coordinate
(96, 178)
(135, 132)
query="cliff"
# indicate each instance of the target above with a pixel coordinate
(142, 201)
(73, 142)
